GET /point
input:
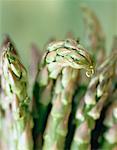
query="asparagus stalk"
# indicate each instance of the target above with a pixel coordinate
(4, 84)
(15, 77)
(6, 121)
(5, 115)
(108, 139)
(99, 126)
(94, 35)
(92, 103)
(63, 61)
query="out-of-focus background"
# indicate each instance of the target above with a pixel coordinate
(35, 21)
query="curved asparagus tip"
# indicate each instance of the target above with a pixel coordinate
(70, 53)
(15, 76)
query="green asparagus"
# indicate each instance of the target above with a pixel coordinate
(6, 115)
(61, 64)
(108, 139)
(15, 76)
(92, 103)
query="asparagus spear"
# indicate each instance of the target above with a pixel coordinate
(108, 139)
(61, 63)
(5, 104)
(94, 35)
(6, 115)
(15, 77)
(92, 103)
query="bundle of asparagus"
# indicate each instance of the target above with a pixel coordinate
(56, 84)
(65, 107)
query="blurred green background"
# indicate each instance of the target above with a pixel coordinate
(35, 21)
